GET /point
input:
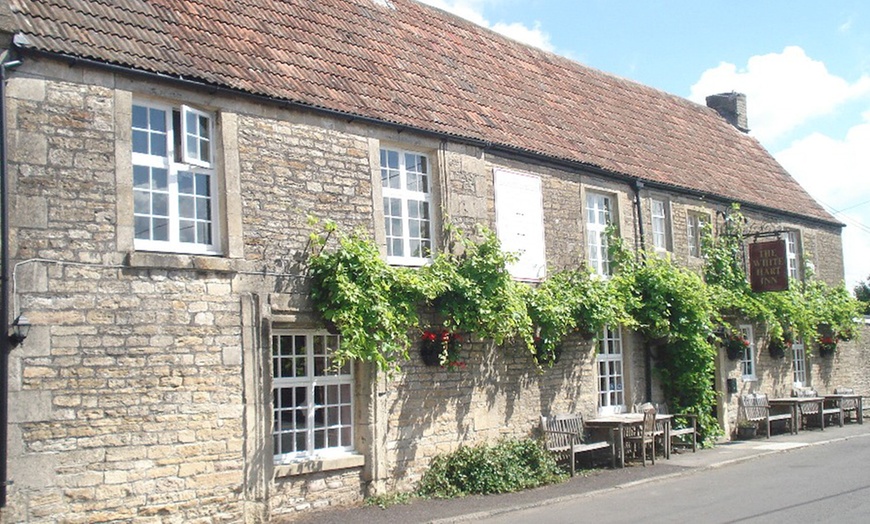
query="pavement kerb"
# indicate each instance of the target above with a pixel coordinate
(688, 471)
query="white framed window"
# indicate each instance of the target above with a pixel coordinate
(611, 390)
(406, 187)
(694, 228)
(747, 364)
(661, 230)
(599, 215)
(791, 255)
(799, 363)
(519, 216)
(175, 204)
(312, 401)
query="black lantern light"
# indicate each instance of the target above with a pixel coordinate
(20, 330)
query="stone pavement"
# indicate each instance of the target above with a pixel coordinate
(586, 484)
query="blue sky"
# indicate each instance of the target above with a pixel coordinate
(804, 66)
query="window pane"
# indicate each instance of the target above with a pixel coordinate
(142, 227)
(140, 117)
(160, 204)
(203, 209)
(203, 187)
(141, 177)
(159, 179)
(186, 231)
(157, 120)
(185, 182)
(158, 144)
(186, 206)
(160, 229)
(140, 142)
(141, 203)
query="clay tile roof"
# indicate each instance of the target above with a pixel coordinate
(402, 62)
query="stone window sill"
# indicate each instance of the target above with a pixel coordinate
(351, 460)
(151, 260)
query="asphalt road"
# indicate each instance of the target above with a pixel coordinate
(829, 483)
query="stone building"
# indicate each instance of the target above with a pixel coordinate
(163, 158)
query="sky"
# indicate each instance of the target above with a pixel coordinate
(804, 67)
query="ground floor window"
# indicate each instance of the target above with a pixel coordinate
(312, 399)
(800, 363)
(611, 393)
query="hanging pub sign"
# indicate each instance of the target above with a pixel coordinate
(768, 269)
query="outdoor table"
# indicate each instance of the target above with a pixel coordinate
(838, 399)
(619, 422)
(794, 405)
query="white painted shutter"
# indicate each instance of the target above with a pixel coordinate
(519, 215)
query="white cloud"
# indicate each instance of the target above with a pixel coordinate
(472, 10)
(836, 172)
(783, 90)
(787, 90)
(534, 36)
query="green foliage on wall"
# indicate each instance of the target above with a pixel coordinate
(801, 311)
(375, 306)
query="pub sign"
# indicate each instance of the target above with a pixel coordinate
(768, 268)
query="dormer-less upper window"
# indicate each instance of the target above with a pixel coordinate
(174, 179)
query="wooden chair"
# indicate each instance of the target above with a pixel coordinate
(811, 411)
(565, 434)
(848, 405)
(682, 425)
(646, 435)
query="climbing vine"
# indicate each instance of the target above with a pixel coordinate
(375, 306)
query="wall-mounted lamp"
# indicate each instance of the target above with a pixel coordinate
(20, 330)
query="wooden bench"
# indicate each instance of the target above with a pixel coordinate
(682, 425)
(756, 408)
(565, 434)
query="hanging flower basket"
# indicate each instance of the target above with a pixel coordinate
(778, 346)
(735, 346)
(827, 345)
(441, 348)
(777, 349)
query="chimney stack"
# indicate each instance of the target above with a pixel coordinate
(732, 107)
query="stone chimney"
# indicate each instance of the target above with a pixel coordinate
(732, 107)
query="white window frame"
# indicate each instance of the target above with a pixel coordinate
(694, 226)
(792, 255)
(747, 363)
(196, 158)
(172, 193)
(519, 217)
(337, 414)
(599, 215)
(611, 372)
(799, 363)
(407, 196)
(661, 230)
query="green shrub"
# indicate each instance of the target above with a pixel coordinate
(509, 465)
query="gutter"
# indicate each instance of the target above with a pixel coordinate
(511, 151)
(5, 343)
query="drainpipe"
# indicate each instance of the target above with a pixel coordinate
(5, 344)
(647, 351)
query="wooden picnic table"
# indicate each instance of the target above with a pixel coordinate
(794, 405)
(620, 422)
